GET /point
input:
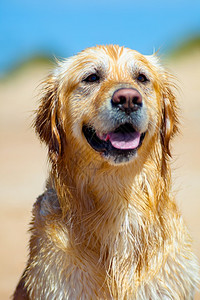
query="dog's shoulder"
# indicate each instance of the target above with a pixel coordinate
(48, 224)
(47, 205)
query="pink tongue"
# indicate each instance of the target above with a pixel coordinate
(128, 140)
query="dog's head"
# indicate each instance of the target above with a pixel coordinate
(111, 102)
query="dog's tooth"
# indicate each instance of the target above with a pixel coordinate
(102, 136)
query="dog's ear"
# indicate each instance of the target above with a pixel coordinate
(47, 124)
(169, 110)
(169, 125)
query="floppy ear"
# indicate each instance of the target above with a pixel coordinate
(46, 122)
(169, 117)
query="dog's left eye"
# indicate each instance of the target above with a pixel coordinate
(142, 78)
(92, 78)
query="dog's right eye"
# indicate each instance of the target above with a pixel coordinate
(92, 78)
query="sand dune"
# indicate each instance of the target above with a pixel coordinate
(23, 163)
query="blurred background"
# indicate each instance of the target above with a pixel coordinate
(32, 33)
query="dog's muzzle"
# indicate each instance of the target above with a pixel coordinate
(122, 142)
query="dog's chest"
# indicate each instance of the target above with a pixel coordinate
(122, 268)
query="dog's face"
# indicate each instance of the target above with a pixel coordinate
(112, 101)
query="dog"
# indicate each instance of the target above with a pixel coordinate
(107, 225)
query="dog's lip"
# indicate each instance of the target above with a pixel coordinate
(123, 140)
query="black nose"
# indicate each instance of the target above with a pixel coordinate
(128, 100)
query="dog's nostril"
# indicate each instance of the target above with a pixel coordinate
(127, 99)
(136, 100)
(122, 99)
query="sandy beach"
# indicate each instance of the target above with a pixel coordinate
(24, 164)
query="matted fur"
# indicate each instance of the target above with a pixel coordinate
(107, 230)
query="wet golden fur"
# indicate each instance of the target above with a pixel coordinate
(106, 230)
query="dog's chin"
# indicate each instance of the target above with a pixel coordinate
(118, 146)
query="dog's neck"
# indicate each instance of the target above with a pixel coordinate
(92, 185)
(105, 195)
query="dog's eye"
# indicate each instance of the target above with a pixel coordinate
(92, 78)
(142, 78)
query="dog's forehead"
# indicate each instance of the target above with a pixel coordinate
(106, 58)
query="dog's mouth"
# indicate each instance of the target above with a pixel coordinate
(122, 143)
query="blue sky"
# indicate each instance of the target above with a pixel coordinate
(62, 28)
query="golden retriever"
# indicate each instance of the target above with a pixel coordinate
(107, 226)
